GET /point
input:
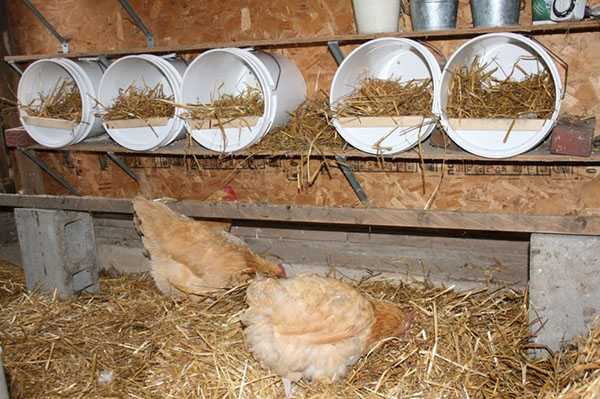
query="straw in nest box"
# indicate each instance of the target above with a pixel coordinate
(388, 97)
(144, 103)
(476, 92)
(229, 107)
(308, 127)
(63, 102)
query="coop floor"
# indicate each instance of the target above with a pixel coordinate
(130, 341)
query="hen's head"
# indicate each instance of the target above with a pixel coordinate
(280, 272)
(227, 194)
(269, 268)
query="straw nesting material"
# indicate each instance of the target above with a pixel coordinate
(388, 97)
(130, 341)
(141, 103)
(63, 102)
(476, 93)
(229, 107)
(309, 126)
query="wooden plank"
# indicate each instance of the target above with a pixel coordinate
(444, 264)
(571, 26)
(497, 124)
(430, 153)
(133, 123)
(248, 121)
(385, 121)
(407, 218)
(50, 122)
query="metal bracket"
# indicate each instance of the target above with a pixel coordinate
(138, 22)
(123, 165)
(68, 159)
(43, 166)
(349, 173)
(336, 51)
(64, 43)
(15, 67)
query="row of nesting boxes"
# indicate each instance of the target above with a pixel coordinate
(231, 71)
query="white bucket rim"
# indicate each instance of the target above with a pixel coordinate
(433, 64)
(541, 134)
(267, 86)
(174, 125)
(84, 84)
(177, 92)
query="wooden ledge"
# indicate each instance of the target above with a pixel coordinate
(406, 218)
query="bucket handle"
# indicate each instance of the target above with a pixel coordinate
(434, 49)
(562, 63)
(276, 61)
(251, 49)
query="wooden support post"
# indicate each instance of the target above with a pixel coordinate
(563, 288)
(58, 250)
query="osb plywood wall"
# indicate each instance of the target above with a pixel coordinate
(466, 186)
(97, 25)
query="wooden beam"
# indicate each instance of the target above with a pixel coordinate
(406, 218)
(573, 26)
(430, 153)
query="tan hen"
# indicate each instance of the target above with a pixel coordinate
(315, 327)
(194, 257)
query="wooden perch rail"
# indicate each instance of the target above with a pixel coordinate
(407, 218)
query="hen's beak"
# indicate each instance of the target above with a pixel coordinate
(280, 271)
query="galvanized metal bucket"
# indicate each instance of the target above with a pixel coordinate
(433, 14)
(495, 12)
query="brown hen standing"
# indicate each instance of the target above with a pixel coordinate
(315, 327)
(194, 257)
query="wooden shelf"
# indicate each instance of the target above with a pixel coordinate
(562, 27)
(381, 217)
(103, 144)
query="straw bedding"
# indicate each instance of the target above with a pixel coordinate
(308, 129)
(229, 107)
(130, 341)
(476, 93)
(141, 103)
(388, 97)
(63, 102)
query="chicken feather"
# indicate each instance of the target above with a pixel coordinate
(194, 257)
(315, 327)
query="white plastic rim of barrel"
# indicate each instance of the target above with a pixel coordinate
(387, 58)
(144, 71)
(42, 77)
(231, 71)
(501, 51)
(377, 16)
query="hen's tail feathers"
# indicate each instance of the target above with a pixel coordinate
(390, 321)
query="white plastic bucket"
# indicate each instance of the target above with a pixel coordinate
(231, 71)
(377, 16)
(386, 58)
(42, 77)
(486, 137)
(143, 71)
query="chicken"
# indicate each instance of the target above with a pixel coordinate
(194, 257)
(315, 327)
